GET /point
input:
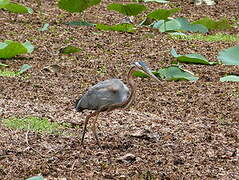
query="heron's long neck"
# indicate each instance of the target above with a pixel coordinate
(130, 99)
(132, 85)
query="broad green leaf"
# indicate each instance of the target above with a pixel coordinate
(3, 65)
(118, 27)
(191, 58)
(230, 78)
(69, 50)
(44, 28)
(159, 23)
(213, 25)
(3, 3)
(229, 56)
(174, 73)
(9, 49)
(24, 68)
(18, 8)
(76, 5)
(28, 46)
(80, 23)
(36, 178)
(162, 14)
(158, 1)
(143, 75)
(182, 24)
(127, 9)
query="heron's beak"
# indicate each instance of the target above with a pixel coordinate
(150, 74)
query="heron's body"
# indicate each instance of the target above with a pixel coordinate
(103, 94)
(109, 95)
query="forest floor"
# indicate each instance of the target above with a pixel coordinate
(173, 130)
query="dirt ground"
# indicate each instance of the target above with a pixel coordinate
(173, 130)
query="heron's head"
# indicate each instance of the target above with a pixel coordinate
(141, 66)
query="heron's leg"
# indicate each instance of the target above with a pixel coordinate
(85, 124)
(94, 130)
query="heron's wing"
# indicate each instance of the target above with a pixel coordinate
(104, 94)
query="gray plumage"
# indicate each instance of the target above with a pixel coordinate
(109, 95)
(103, 94)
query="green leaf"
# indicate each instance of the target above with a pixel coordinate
(162, 14)
(44, 28)
(182, 24)
(28, 46)
(118, 27)
(229, 56)
(18, 8)
(127, 9)
(9, 49)
(191, 58)
(80, 23)
(76, 5)
(69, 50)
(230, 78)
(222, 24)
(174, 73)
(158, 1)
(24, 68)
(159, 23)
(143, 75)
(36, 178)
(3, 3)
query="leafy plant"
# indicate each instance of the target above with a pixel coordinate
(181, 24)
(3, 3)
(229, 56)
(15, 7)
(118, 27)
(191, 58)
(127, 9)
(213, 25)
(171, 73)
(24, 68)
(76, 5)
(174, 73)
(7, 73)
(143, 75)
(9, 48)
(230, 78)
(162, 14)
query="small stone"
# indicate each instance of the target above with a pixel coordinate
(143, 134)
(52, 68)
(128, 158)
